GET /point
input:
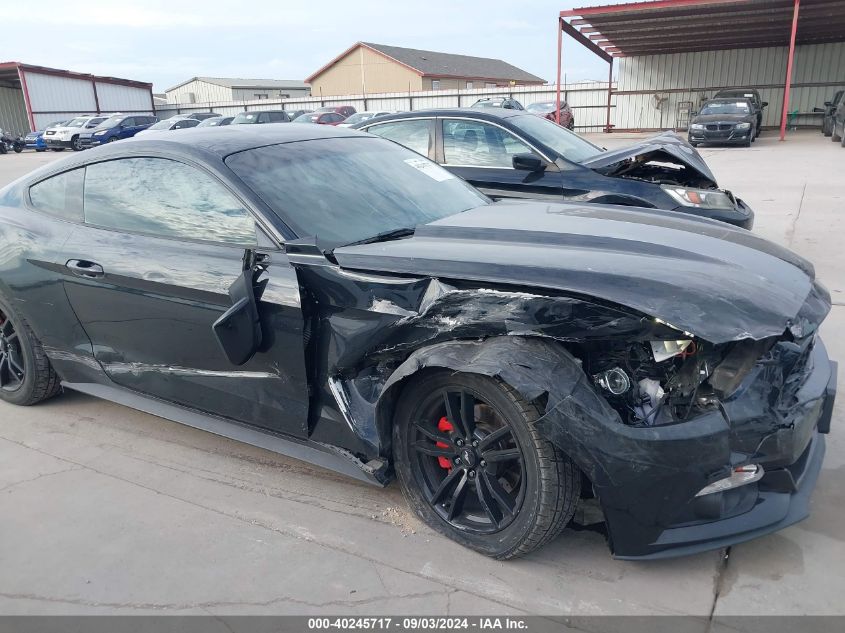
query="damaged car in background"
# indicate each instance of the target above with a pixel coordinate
(516, 154)
(335, 297)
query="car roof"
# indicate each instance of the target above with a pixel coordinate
(493, 114)
(259, 111)
(219, 141)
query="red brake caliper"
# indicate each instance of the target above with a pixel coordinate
(444, 426)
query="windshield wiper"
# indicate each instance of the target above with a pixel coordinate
(384, 236)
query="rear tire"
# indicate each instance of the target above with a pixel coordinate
(76, 144)
(26, 375)
(836, 138)
(501, 489)
(827, 127)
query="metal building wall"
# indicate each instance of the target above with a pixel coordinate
(203, 92)
(819, 70)
(53, 97)
(121, 98)
(588, 101)
(13, 111)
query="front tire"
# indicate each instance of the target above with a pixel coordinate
(836, 138)
(76, 144)
(473, 466)
(26, 376)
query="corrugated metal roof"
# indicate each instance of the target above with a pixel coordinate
(434, 64)
(674, 26)
(234, 82)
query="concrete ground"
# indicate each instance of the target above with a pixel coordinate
(107, 510)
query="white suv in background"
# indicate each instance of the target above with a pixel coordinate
(67, 135)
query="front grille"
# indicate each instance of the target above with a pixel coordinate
(719, 127)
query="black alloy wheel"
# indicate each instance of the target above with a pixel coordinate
(473, 466)
(76, 144)
(467, 462)
(12, 364)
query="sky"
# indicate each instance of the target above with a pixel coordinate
(168, 42)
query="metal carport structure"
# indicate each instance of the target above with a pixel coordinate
(682, 26)
(33, 96)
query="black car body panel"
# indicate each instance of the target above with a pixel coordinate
(663, 146)
(344, 330)
(630, 176)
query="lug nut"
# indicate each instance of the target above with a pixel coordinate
(471, 474)
(457, 460)
(483, 463)
(460, 442)
(475, 444)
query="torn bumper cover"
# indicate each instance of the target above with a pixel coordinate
(647, 478)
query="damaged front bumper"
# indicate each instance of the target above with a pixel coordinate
(650, 502)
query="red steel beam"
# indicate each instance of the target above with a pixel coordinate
(785, 114)
(559, 61)
(583, 39)
(644, 6)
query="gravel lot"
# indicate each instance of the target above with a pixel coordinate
(107, 510)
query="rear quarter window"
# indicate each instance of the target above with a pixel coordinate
(59, 195)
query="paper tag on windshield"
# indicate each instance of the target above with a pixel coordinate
(740, 104)
(432, 170)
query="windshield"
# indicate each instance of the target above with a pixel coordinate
(245, 117)
(110, 122)
(488, 104)
(567, 144)
(362, 116)
(163, 125)
(546, 106)
(308, 117)
(725, 107)
(211, 122)
(77, 122)
(342, 190)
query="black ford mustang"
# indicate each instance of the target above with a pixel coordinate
(336, 297)
(514, 154)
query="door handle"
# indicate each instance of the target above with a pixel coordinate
(84, 268)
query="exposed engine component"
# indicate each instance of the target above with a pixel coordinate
(656, 382)
(614, 380)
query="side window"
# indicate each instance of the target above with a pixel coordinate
(478, 144)
(276, 117)
(264, 117)
(185, 123)
(165, 198)
(415, 135)
(128, 122)
(60, 195)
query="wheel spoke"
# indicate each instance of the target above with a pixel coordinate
(468, 413)
(435, 436)
(505, 455)
(490, 505)
(503, 499)
(456, 502)
(434, 451)
(4, 370)
(460, 410)
(495, 436)
(14, 365)
(446, 485)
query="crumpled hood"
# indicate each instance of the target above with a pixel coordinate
(664, 146)
(701, 276)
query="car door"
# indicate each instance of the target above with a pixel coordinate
(126, 129)
(482, 153)
(148, 275)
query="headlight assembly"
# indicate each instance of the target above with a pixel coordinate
(699, 198)
(743, 126)
(696, 126)
(100, 133)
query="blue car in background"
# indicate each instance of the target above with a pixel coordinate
(35, 140)
(116, 127)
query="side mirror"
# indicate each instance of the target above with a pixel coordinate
(828, 104)
(528, 162)
(819, 109)
(693, 113)
(238, 330)
(765, 103)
